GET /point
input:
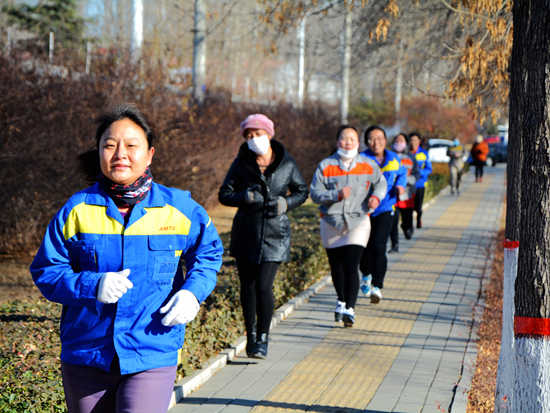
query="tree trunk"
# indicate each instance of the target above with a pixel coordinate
(528, 217)
(199, 51)
(344, 102)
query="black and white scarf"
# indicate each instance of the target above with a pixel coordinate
(127, 195)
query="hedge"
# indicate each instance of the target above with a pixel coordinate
(30, 375)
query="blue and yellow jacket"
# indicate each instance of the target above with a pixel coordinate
(424, 165)
(395, 175)
(87, 238)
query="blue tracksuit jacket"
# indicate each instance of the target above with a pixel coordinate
(425, 167)
(395, 174)
(87, 238)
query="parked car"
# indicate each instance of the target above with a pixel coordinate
(437, 150)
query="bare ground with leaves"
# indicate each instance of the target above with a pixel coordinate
(482, 394)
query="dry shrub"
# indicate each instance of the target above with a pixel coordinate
(46, 121)
(482, 394)
(432, 119)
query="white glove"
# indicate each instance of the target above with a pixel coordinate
(182, 308)
(113, 285)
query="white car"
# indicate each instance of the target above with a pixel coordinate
(437, 150)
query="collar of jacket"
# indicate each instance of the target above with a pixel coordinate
(341, 165)
(249, 158)
(388, 156)
(98, 196)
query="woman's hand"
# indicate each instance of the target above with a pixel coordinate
(373, 203)
(345, 192)
(253, 195)
(182, 308)
(399, 190)
(113, 285)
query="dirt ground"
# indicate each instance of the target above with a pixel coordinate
(15, 279)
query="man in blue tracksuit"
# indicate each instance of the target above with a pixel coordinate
(425, 168)
(373, 261)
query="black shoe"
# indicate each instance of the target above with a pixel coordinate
(250, 342)
(394, 248)
(260, 349)
(349, 317)
(418, 223)
(409, 233)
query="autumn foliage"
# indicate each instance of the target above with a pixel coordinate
(429, 116)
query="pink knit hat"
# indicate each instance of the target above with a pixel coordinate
(258, 121)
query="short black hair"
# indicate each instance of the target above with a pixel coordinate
(415, 134)
(88, 162)
(125, 111)
(373, 128)
(407, 139)
(342, 127)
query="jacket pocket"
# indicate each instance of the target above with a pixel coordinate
(165, 253)
(85, 254)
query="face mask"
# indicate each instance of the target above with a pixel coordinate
(345, 154)
(259, 145)
(399, 146)
(456, 142)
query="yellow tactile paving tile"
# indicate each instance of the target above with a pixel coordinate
(344, 370)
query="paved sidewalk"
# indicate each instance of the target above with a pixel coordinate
(413, 352)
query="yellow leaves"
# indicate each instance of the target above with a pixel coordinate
(392, 8)
(382, 28)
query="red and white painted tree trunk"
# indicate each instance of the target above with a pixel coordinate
(525, 360)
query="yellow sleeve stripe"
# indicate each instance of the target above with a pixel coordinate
(392, 165)
(209, 222)
(90, 219)
(161, 221)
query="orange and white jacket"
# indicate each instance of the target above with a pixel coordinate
(365, 179)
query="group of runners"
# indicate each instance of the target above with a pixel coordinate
(113, 254)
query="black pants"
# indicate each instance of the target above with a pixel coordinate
(373, 260)
(406, 223)
(257, 293)
(418, 201)
(479, 168)
(344, 268)
(394, 234)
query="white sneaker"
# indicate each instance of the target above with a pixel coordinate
(339, 311)
(376, 295)
(349, 317)
(366, 285)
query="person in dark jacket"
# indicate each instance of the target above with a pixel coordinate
(264, 183)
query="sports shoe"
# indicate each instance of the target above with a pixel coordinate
(395, 248)
(349, 317)
(376, 295)
(366, 283)
(339, 311)
(409, 233)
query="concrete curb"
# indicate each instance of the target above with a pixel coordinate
(187, 385)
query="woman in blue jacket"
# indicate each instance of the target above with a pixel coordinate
(373, 261)
(112, 256)
(425, 169)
